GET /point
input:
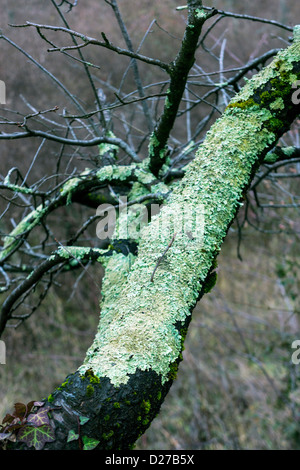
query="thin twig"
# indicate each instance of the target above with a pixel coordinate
(78, 143)
(133, 64)
(250, 18)
(90, 40)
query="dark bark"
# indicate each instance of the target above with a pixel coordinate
(179, 71)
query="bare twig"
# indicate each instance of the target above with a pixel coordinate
(178, 78)
(134, 65)
(250, 18)
(90, 40)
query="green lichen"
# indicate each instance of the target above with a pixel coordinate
(146, 405)
(108, 148)
(27, 224)
(200, 13)
(153, 142)
(274, 125)
(277, 104)
(296, 33)
(283, 63)
(35, 217)
(242, 104)
(140, 319)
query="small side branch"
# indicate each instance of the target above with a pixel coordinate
(78, 143)
(87, 40)
(249, 18)
(62, 255)
(178, 78)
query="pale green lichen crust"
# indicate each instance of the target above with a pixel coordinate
(34, 218)
(27, 223)
(139, 321)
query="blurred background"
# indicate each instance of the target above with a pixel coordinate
(237, 387)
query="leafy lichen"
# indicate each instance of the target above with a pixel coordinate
(140, 319)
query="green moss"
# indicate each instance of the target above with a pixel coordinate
(107, 436)
(168, 104)
(172, 375)
(95, 380)
(92, 377)
(117, 404)
(242, 104)
(265, 98)
(278, 63)
(274, 125)
(63, 385)
(50, 398)
(106, 418)
(90, 391)
(146, 405)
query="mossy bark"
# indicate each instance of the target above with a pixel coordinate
(133, 360)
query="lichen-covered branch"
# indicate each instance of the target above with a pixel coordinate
(72, 190)
(71, 255)
(133, 360)
(179, 71)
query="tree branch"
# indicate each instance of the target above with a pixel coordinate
(76, 142)
(62, 255)
(134, 358)
(180, 69)
(87, 40)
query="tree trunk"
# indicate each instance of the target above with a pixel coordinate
(147, 304)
